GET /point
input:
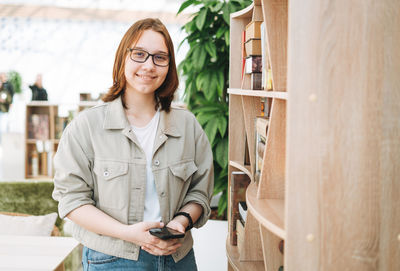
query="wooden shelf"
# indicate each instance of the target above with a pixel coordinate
(232, 253)
(269, 212)
(259, 93)
(243, 168)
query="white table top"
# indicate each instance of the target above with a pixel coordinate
(34, 252)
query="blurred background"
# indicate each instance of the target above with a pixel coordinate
(72, 44)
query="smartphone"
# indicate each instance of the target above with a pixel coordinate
(166, 233)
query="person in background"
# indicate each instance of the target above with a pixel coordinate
(6, 99)
(135, 163)
(38, 92)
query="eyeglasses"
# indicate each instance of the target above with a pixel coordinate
(141, 56)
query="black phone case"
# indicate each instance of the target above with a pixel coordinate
(166, 233)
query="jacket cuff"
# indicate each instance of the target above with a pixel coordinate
(204, 202)
(67, 204)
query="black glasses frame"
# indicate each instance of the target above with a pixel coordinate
(147, 57)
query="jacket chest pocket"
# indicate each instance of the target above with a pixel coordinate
(112, 183)
(184, 170)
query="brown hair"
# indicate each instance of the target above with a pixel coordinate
(165, 93)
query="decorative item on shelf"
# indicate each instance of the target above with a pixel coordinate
(42, 157)
(38, 126)
(35, 163)
(239, 183)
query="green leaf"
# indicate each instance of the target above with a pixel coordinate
(220, 32)
(222, 125)
(221, 153)
(199, 57)
(211, 130)
(226, 35)
(220, 82)
(185, 5)
(226, 13)
(217, 7)
(201, 18)
(211, 49)
(203, 118)
(223, 203)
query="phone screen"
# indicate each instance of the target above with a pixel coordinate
(166, 233)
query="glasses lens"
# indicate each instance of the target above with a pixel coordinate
(139, 55)
(161, 60)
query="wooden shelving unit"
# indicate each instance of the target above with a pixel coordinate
(48, 141)
(329, 184)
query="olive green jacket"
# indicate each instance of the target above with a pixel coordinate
(100, 162)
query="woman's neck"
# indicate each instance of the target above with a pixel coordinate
(140, 108)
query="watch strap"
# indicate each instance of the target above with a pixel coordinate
(187, 215)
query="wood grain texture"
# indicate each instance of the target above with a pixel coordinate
(343, 188)
(276, 24)
(232, 253)
(272, 180)
(249, 246)
(273, 258)
(270, 213)
(236, 137)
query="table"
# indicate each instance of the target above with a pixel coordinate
(34, 252)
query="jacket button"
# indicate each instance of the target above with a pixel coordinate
(106, 173)
(156, 163)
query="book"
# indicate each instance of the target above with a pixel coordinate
(253, 64)
(239, 183)
(253, 30)
(253, 47)
(255, 83)
(262, 126)
(242, 211)
(243, 52)
(38, 126)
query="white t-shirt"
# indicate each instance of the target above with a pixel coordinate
(146, 136)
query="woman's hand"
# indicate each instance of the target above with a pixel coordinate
(140, 235)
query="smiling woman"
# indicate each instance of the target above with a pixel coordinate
(136, 163)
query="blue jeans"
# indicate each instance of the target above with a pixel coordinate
(93, 260)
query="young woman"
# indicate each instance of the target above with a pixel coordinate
(135, 163)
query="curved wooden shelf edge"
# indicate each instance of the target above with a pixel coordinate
(269, 212)
(241, 167)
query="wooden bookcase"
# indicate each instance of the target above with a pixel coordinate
(330, 181)
(41, 143)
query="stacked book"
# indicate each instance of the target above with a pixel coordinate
(253, 65)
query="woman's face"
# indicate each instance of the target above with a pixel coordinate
(146, 77)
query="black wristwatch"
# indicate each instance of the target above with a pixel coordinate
(187, 215)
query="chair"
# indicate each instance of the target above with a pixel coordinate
(55, 232)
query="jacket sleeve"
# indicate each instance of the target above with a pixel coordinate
(73, 184)
(202, 185)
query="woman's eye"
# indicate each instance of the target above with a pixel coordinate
(139, 54)
(161, 57)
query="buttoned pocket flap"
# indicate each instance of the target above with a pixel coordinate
(110, 170)
(184, 170)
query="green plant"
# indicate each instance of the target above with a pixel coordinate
(205, 71)
(16, 81)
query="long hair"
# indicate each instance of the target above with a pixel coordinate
(165, 93)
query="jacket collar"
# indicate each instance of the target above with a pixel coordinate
(115, 118)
